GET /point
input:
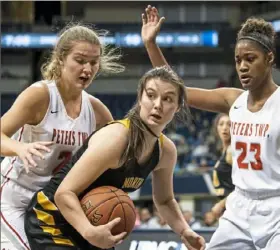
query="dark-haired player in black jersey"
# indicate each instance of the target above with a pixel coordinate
(222, 180)
(121, 154)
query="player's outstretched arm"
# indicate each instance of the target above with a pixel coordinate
(100, 155)
(163, 196)
(216, 100)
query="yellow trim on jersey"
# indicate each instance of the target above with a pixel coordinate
(220, 191)
(216, 182)
(161, 138)
(126, 123)
(45, 217)
(45, 203)
(63, 241)
(51, 230)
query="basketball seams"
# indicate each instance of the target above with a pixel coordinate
(116, 197)
(101, 202)
(122, 207)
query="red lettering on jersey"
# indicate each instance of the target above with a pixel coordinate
(66, 138)
(257, 127)
(73, 137)
(58, 136)
(265, 130)
(54, 134)
(84, 136)
(242, 128)
(234, 128)
(79, 139)
(62, 137)
(69, 138)
(246, 129)
(251, 129)
(238, 126)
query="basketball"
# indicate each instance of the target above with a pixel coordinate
(103, 204)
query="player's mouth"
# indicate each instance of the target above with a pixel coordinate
(84, 79)
(156, 116)
(245, 79)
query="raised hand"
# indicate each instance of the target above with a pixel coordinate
(192, 240)
(27, 151)
(151, 23)
(101, 236)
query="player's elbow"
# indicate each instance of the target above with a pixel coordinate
(163, 200)
(60, 197)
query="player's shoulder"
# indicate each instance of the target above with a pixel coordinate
(102, 113)
(114, 132)
(95, 102)
(231, 94)
(37, 93)
(168, 147)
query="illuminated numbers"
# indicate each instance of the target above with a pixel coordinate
(254, 147)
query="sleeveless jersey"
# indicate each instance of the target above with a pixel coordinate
(67, 134)
(222, 180)
(128, 177)
(255, 142)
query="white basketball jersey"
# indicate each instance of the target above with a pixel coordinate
(255, 141)
(67, 134)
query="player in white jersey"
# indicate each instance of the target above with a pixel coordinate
(252, 217)
(48, 122)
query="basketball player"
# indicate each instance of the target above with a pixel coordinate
(252, 217)
(142, 149)
(48, 122)
(222, 180)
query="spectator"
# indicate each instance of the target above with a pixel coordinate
(194, 224)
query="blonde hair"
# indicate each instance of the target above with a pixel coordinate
(71, 34)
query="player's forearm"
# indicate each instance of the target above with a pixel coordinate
(70, 207)
(171, 212)
(155, 54)
(9, 147)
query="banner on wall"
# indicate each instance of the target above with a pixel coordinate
(167, 39)
(158, 240)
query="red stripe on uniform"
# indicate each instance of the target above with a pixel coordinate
(7, 223)
(19, 139)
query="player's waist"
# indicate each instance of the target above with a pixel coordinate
(258, 194)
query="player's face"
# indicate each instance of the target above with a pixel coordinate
(252, 64)
(159, 102)
(223, 128)
(81, 65)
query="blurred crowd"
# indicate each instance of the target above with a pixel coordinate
(197, 145)
(150, 219)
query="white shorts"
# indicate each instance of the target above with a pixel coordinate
(251, 222)
(14, 201)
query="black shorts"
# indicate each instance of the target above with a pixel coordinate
(46, 229)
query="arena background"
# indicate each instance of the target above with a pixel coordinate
(197, 39)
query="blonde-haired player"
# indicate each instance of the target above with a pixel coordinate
(48, 122)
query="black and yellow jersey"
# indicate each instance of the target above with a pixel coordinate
(222, 180)
(44, 224)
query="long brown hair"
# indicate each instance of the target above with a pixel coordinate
(218, 140)
(136, 138)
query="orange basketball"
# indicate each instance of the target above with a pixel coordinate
(103, 204)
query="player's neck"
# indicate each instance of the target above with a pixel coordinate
(263, 92)
(67, 94)
(226, 144)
